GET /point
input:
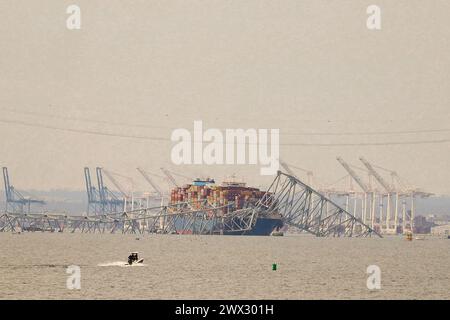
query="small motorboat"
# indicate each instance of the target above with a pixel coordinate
(133, 258)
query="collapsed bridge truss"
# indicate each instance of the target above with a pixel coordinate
(298, 204)
(182, 218)
(308, 210)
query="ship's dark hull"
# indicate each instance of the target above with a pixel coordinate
(263, 227)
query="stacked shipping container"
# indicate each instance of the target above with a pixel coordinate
(216, 196)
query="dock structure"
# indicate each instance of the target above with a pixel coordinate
(299, 205)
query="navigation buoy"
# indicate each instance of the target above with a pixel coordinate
(409, 236)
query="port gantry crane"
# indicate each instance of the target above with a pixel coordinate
(101, 200)
(288, 169)
(113, 180)
(169, 177)
(128, 196)
(389, 191)
(15, 201)
(92, 194)
(328, 189)
(151, 182)
(401, 191)
(170, 174)
(109, 202)
(298, 204)
(367, 191)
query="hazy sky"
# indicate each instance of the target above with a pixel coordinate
(144, 68)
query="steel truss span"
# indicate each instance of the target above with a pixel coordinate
(298, 204)
(179, 219)
(308, 210)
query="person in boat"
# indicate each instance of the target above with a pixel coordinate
(133, 257)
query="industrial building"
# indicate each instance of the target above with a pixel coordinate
(443, 230)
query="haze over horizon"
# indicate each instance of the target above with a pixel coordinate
(111, 93)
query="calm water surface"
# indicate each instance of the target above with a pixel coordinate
(33, 266)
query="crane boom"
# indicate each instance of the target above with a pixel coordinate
(353, 174)
(87, 177)
(150, 181)
(7, 185)
(101, 187)
(181, 175)
(287, 168)
(14, 195)
(377, 176)
(169, 176)
(115, 183)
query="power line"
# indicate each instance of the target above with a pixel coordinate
(365, 133)
(140, 137)
(114, 123)
(388, 143)
(166, 139)
(35, 125)
(131, 125)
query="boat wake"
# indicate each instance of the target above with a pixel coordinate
(122, 264)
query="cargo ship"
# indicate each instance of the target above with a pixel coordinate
(231, 196)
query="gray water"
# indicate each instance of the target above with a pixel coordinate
(33, 266)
